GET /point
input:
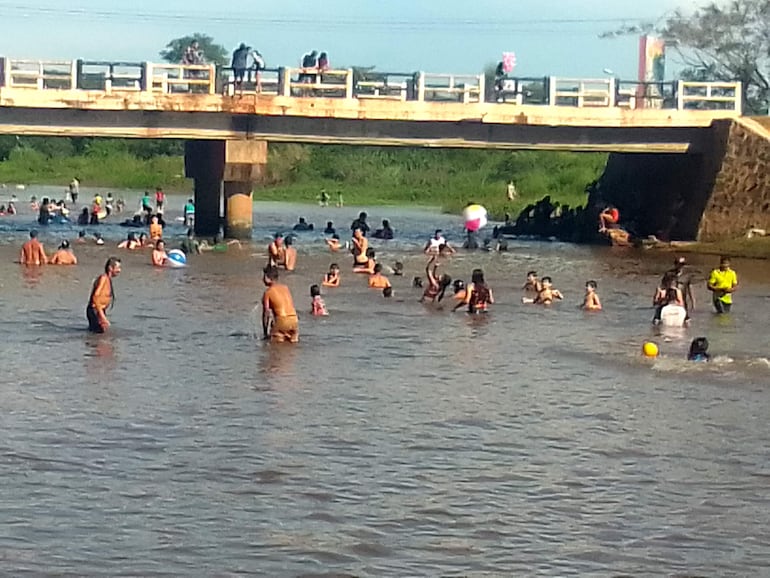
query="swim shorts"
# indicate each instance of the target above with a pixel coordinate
(93, 321)
(285, 329)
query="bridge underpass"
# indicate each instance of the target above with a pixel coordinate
(665, 163)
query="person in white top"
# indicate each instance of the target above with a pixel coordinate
(437, 244)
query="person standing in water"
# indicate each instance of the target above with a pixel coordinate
(102, 297)
(478, 295)
(278, 303)
(32, 252)
(360, 248)
(591, 300)
(722, 283)
(64, 256)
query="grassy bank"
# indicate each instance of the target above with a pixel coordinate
(756, 248)
(363, 175)
(120, 170)
(444, 178)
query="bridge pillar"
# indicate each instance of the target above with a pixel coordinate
(237, 163)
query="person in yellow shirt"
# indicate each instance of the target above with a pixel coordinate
(722, 283)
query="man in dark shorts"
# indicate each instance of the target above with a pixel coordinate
(239, 65)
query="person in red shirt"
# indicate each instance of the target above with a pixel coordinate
(608, 218)
(32, 252)
(160, 199)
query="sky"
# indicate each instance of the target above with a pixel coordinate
(549, 37)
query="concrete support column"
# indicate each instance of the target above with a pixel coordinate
(238, 210)
(208, 195)
(237, 163)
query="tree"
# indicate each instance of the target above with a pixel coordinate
(727, 43)
(212, 52)
(720, 43)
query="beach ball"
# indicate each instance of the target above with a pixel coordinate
(176, 258)
(650, 349)
(475, 217)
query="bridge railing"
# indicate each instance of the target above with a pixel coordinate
(165, 78)
(709, 95)
(582, 92)
(266, 81)
(309, 82)
(40, 74)
(521, 90)
(464, 88)
(110, 76)
(386, 86)
(180, 78)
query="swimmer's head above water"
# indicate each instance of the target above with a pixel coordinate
(459, 285)
(398, 268)
(699, 350)
(315, 291)
(387, 292)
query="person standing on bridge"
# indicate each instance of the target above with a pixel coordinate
(239, 65)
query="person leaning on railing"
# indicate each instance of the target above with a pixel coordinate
(193, 56)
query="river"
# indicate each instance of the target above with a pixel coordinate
(395, 439)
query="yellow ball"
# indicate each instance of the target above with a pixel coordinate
(650, 349)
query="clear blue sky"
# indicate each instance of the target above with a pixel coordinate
(549, 37)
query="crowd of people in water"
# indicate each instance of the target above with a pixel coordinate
(280, 321)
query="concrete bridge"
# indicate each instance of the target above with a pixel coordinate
(228, 127)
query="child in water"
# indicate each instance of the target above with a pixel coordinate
(547, 294)
(332, 278)
(533, 283)
(317, 306)
(437, 284)
(591, 300)
(699, 350)
(377, 280)
(387, 292)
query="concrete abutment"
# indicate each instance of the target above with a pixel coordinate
(230, 167)
(719, 190)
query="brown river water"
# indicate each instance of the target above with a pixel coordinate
(396, 439)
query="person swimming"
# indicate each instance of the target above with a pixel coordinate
(332, 278)
(398, 269)
(437, 284)
(387, 292)
(377, 280)
(699, 350)
(334, 243)
(547, 294)
(317, 305)
(532, 285)
(591, 300)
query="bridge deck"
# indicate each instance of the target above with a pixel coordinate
(332, 120)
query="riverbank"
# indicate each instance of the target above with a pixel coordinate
(755, 248)
(366, 176)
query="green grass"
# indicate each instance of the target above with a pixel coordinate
(756, 248)
(116, 169)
